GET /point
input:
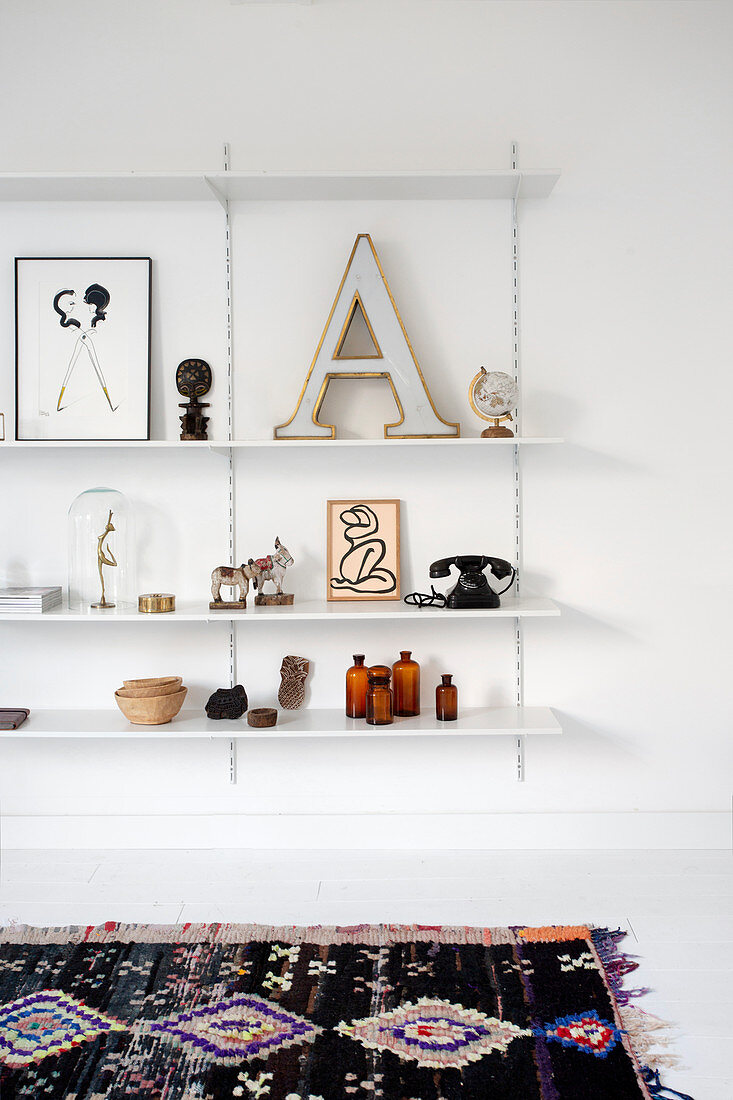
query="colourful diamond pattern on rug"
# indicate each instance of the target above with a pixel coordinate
(434, 1033)
(45, 1023)
(220, 1012)
(236, 1029)
(586, 1031)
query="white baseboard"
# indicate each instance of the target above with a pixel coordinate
(625, 830)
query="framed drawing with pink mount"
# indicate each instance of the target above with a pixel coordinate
(363, 550)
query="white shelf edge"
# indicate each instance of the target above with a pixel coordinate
(276, 186)
(328, 724)
(126, 444)
(306, 610)
(226, 445)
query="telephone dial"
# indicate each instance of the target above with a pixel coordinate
(473, 588)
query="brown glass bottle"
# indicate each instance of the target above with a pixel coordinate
(446, 699)
(379, 696)
(356, 688)
(406, 685)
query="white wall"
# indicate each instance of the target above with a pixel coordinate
(625, 280)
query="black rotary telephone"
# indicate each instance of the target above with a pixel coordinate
(473, 588)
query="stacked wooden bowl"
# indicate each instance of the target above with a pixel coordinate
(151, 702)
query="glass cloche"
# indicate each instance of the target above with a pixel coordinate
(101, 532)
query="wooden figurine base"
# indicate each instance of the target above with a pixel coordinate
(496, 433)
(284, 599)
(231, 605)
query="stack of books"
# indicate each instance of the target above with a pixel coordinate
(30, 600)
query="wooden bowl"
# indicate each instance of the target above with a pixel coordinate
(262, 716)
(151, 692)
(151, 681)
(155, 711)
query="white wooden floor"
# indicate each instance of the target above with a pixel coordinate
(677, 907)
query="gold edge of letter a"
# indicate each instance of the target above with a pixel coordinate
(331, 427)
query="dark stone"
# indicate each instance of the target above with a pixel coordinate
(227, 703)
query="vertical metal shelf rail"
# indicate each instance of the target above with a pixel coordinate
(223, 201)
(518, 544)
(230, 437)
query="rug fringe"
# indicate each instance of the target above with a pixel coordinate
(658, 1091)
(649, 1036)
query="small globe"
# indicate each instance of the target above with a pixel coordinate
(493, 394)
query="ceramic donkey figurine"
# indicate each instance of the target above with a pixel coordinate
(272, 568)
(232, 577)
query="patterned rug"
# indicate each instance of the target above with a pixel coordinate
(213, 1012)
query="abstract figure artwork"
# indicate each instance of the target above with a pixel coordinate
(364, 293)
(83, 313)
(363, 550)
(82, 348)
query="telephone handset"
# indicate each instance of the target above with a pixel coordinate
(473, 588)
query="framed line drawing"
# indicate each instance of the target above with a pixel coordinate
(363, 550)
(82, 348)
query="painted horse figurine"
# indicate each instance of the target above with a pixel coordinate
(272, 568)
(231, 577)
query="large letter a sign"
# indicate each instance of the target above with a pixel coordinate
(364, 290)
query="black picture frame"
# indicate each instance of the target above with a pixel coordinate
(134, 293)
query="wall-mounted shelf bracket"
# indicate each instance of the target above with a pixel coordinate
(232, 761)
(220, 198)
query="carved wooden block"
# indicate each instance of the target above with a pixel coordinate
(293, 671)
(227, 703)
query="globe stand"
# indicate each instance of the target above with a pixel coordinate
(497, 432)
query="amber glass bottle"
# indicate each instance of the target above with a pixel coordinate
(446, 699)
(356, 688)
(379, 696)
(406, 685)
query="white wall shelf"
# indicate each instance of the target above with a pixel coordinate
(222, 189)
(224, 445)
(473, 722)
(306, 610)
(125, 444)
(276, 186)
